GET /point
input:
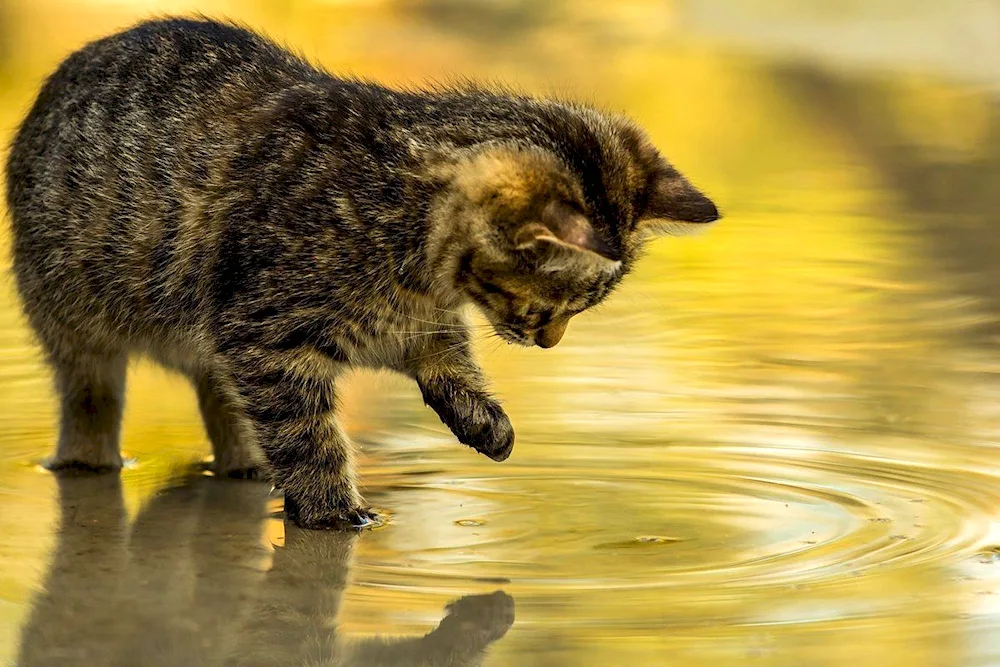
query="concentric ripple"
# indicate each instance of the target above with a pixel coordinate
(719, 516)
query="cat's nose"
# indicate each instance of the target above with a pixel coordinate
(549, 335)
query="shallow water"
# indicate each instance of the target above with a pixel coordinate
(776, 444)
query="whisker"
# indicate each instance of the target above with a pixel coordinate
(437, 324)
(457, 326)
(422, 333)
(440, 353)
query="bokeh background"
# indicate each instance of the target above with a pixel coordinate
(777, 443)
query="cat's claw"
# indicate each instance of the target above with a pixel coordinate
(361, 519)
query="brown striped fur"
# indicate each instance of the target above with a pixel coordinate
(191, 191)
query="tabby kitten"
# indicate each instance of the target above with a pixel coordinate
(191, 191)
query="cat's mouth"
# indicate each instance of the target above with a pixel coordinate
(513, 336)
(504, 331)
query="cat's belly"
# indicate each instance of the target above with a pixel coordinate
(187, 352)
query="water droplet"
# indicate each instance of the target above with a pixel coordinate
(656, 539)
(470, 523)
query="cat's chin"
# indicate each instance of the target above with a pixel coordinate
(501, 331)
(513, 340)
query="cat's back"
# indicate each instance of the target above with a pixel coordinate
(135, 94)
(121, 148)
(195, 57)
(160, 59)
(140, 80)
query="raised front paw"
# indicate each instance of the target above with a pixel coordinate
(487, 429)
(476, 419)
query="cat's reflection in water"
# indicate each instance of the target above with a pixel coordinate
(187, 584)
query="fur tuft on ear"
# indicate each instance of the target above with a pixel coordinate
(674, 206)
(564, 239)
(561, 224)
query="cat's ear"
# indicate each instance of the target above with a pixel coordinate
(673, 206)
(561, 239)
(526, 190)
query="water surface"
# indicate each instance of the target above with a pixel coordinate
(776, 444)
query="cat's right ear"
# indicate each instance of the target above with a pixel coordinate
(674, 207)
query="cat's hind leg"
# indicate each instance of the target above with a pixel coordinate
(227, 429)
(91, 388)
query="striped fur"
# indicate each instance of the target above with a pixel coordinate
(191, 191)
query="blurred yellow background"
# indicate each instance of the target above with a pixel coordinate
(800, 406)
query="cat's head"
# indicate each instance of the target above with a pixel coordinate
(540, 233)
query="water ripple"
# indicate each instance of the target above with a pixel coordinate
(723, 516)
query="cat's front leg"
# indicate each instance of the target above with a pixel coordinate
(452, 384)
(290, 405)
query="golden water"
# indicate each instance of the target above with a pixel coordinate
(776, 444)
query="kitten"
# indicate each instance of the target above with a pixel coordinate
(191, 191)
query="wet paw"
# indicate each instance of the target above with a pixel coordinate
(473, 416)
(361, 518)
(487, 430)
(355, 518)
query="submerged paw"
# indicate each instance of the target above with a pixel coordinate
(355, 518)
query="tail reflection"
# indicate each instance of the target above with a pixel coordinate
(187, 585)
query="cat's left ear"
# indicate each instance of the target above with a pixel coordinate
(562, 238)
(674, 206)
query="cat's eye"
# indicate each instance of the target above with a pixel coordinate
(490, 288)
(495, 290)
